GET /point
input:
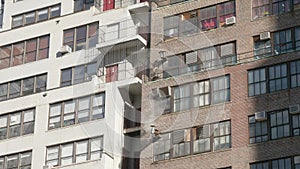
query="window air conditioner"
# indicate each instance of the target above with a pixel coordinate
(294, 109)
(230, 21)
(260, 116)
(264, 36)
(65, 49)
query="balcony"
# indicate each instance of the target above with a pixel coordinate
(122, 32)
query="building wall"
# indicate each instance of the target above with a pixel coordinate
(240, 105)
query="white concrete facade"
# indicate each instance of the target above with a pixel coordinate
(110, 127)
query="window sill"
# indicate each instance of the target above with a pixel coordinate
(17, 137)
(75, 164)
(75, 125)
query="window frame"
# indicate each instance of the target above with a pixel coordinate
(61, 113)
(36, 16)
(186, 139)
(22, 54)
(71, 79)
(21, 125)
(74, 146)
(73, 43)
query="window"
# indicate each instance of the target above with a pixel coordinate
(171, 25)
(201, 93)
(222, 136)
(258, 130)
(15, 54)
(76, 111)
(284, 163)
(283, 41)
(199, 139)
(36, 16)
(261, 8)
(76, 38)
(199, 60)
(262, 48)
(221, 89)
(205, 18)
(81, 5)
(281, 6)
(257, 82)
(75, 152)
(278, 77)
(78, 74)
(17, 124)
(297, 162)
(215, 16)
(296, 125)
(181, 142)
(15, 161)
(260, 165)
(23, 87)
(189, 23)
(161, 148)
(280, 124)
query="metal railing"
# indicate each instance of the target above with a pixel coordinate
(121, 30)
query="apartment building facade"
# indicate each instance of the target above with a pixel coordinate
(223, 85)
(68, 71)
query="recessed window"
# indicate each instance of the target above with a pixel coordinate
(258, 130)
(203, 59)
(76, 38)
(257, 82)
(81, 5)
(262, 48)
(24, 52)
(261, 8)
(78, 74)
(18, 160)
(76, 111)
(75, 152)
(23, 87)
(213, 91)
(200, 139)
(36, 16)
(17, 124)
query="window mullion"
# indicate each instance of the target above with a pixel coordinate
(76, 102)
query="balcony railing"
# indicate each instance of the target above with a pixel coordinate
(121, 31)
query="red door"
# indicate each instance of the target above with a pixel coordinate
(111, 73)
(108, 4)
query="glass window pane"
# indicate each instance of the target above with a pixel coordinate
(3, 121)
(28, 86)
(66, 77)
(55, 109)
(15, 89)
(12, 161)
(79, 74)
(15, 119)
(55, 11)
(30, 18)
(17, 21)
(67, 150)
(84, 103)
(25, 159)
(91, 69)
(52, 153)
(42, 15)
(81, 147)
(41, 83)
(28, 116)
(69, 107)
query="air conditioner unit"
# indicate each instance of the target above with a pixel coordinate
(65, 49)
(294, 109)
(230, 21)
(260, 116)
(264, 36)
